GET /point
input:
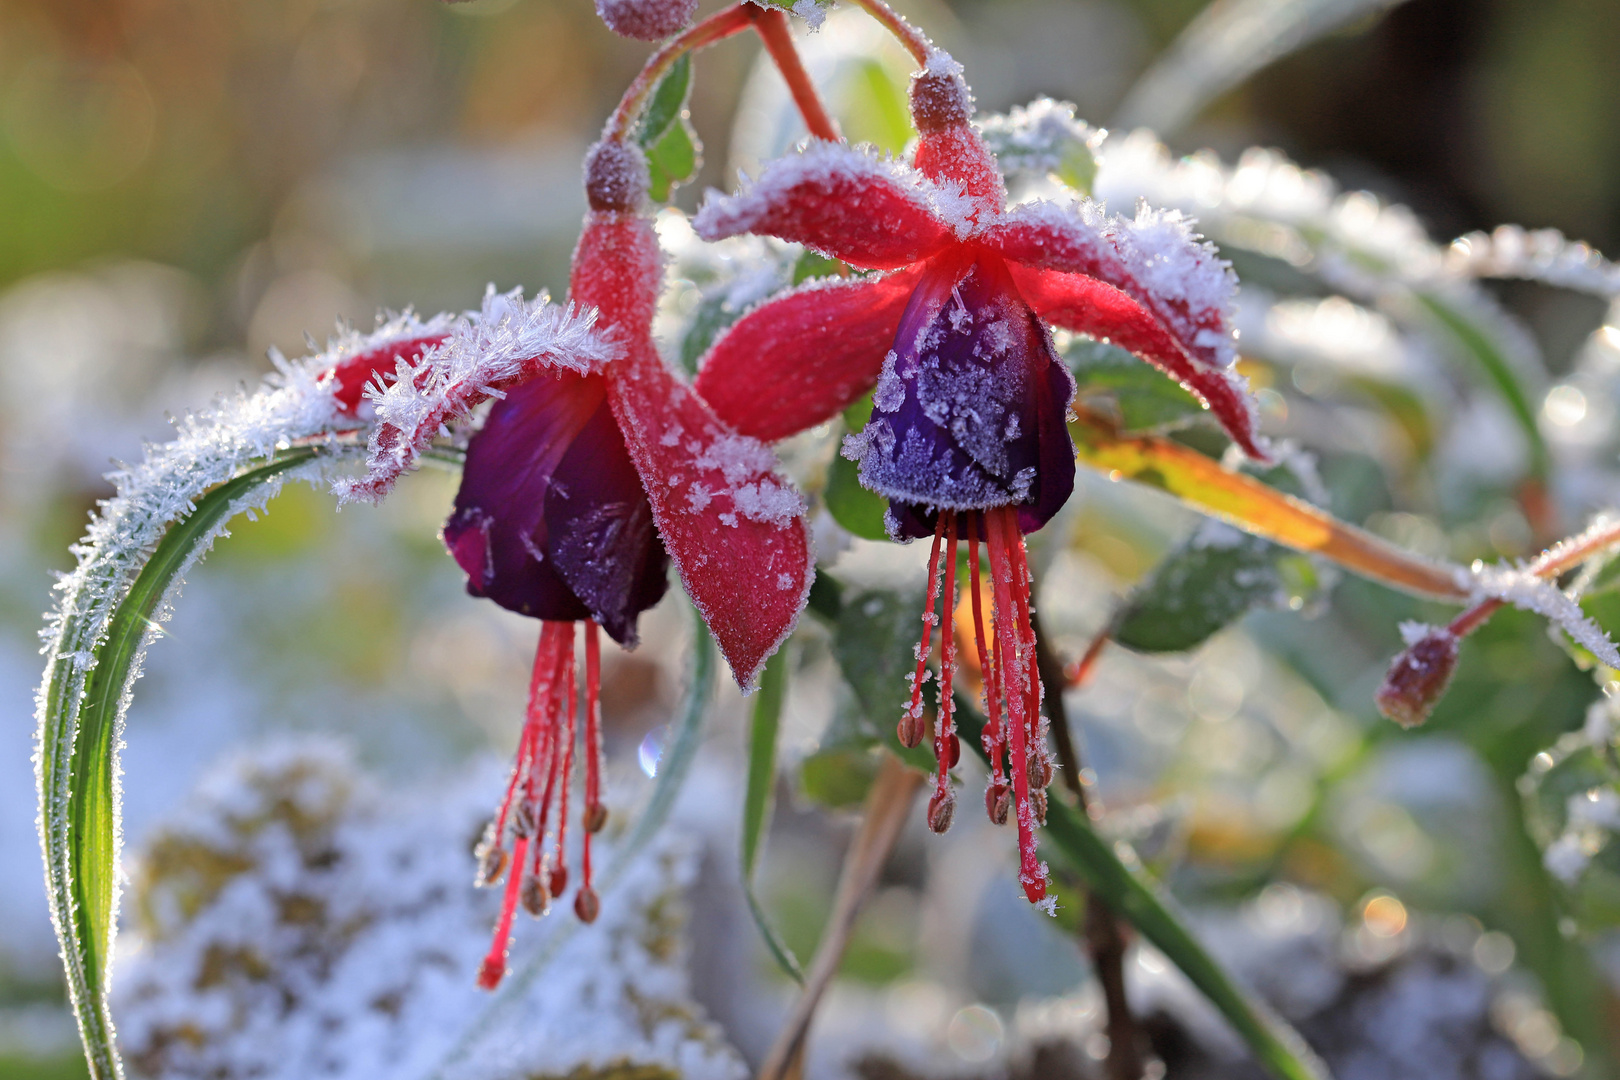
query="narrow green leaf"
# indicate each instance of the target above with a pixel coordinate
(1479, 343)
(851, 505)
(1131, 893)
(668, 102)
(763, 729)
(79, 738)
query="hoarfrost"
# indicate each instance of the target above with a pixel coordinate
(337, 932)
(1038, 138)
(506, 341)
(1519, 586)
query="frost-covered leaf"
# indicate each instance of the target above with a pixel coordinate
(1572, 806)
(1114, 382)
(764, 726)
(1215, 578)
(1044, 138)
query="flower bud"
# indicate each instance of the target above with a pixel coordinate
(942, 810)
(646, 20)
(940, 97)
(595, 817)
(1418, 677)
(586, 905)
(616, 176)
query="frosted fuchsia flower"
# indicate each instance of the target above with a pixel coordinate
(968, 437)
(576, 492)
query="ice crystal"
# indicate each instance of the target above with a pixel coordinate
(507, 340)
(1041, 137)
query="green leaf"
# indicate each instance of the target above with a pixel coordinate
(839, 775)
(851, 505)
(79, 740)
(1132, 894)
(712, 317)
(874, 635)
(883, 115)
(672, 160)
(763, 730)
(672, 147)
(1569, 795)
(1213, 579)
(813, 264)
(667, 104)
(1133, 392)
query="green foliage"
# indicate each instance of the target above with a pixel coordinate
(762, 735)
(1132, 392)
(853, 506)
(672, 147)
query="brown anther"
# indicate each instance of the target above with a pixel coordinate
(559, 879)
(1037, 802)
(586, 905)
(492, 862)
(953, 747)
(1040, 771)
(997, 801)
(534, 897)
(615, 176)
(909, 731)
(939, 100)
(595, 817)
(525, 819)
(942, 810)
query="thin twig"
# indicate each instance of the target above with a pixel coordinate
(772, 27)
(1104, 938)
(887, 806)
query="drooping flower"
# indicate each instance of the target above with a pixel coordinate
(578, 490)
(968, 436)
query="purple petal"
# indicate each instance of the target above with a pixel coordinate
(970, 410)
(551, 520)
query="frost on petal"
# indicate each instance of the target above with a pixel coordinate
(848, 203)
(734, 527)
(646, 20)
(357, 361)
(803, 356)
(1522, 588)
(1042, 137)
(505, 342)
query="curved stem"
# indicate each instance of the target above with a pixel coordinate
(1562, 556)
(915, 41)
(772, 28)
(715, 28)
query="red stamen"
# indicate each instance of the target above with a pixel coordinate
(493, 968)
(910, 730)
(594, 814)
(945, 723)
(558, 880)
(1017, 659)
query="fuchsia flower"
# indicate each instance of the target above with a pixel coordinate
(968, 436)
(585, 480)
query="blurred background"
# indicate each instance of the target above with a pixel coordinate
(186, 184)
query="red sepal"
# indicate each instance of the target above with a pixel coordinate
(734, 529)
(354, 373)
(1088, 306)
(869, 213)
(802, 357)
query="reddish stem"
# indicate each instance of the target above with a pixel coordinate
(915, 41)
(772, 27)
(715, 28)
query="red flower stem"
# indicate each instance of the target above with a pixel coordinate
(715, 28)
(915, 41)
(945, 724)
(1078, 673)
(772, 28)
(1564, 555)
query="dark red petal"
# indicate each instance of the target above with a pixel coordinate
(802, 357)
(551, 520)
(734, 528)
(1086, 305)
(838, 200)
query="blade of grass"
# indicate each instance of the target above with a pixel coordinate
(81, 729)
(1130, 893)
(762, 738)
